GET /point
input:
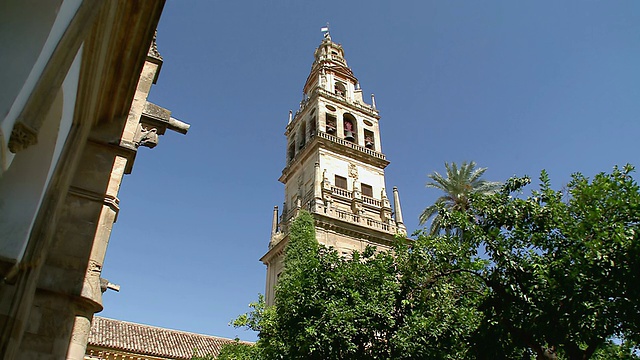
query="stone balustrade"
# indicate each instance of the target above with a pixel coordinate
(366, 108)
(354, 146)
(341, 192)
(338, 213)
(371, 201)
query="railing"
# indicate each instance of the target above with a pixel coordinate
(318, 90)
(340, 214)
(357, 219)
(371, 201)
(349, 195)
(348, 216)
(363, 149)
(379, 225)
(363, 107)
(341, 192)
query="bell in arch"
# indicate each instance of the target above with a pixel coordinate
(348, 131)
(348, 135)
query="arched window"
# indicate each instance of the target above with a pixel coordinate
(349, 126)
(302, 133)
(312, 127)
(369, 142)
(331, 124)
(340, 89)
(291, 149)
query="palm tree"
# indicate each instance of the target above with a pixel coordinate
(457, 186)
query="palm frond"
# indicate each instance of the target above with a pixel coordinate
(436, 225)
(428, 213)
(460, 182)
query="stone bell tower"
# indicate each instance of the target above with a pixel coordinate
(334, 166)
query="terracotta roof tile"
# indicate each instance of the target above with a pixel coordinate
(150, 340)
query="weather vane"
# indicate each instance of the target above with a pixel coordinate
(325, 30)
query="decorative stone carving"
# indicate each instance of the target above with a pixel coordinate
(326, 185)
(326, 192)
(353, 171)
(153, 49)
(385, 210)
(94, 267)
(356, 202)
(147, 137)
(356, 194)
(22, 136)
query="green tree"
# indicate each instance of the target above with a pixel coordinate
(404, 304)
(564, 267)
(551, 276)
(458, 186)
(236, 351)
(613, 351)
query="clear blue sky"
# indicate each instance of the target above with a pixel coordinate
(516, 86)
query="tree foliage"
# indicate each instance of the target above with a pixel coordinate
(371, 305)
(233, 351)
(458, 186)
(554, 275)
(563, 268)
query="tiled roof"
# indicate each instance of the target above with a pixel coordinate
(151, 340)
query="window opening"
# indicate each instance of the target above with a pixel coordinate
(367, 190)
(340, 89)
(341, 182)
(292, 151)
(349, 126)
(303, 134)
(312, 127)
(331, 124)
(368, 139)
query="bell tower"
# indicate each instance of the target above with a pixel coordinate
(334, 166)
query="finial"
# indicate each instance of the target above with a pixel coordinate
(290, 117)
(398, 209)
(325, 31)
(153, 49)
(274, 221)
(373, 101)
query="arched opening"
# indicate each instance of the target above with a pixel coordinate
(369, 142)
(349, 126)
(291, 149)
(340, 89)
(331, 124)
(302, 134)
(312, 127)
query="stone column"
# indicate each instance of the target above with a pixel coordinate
(398, 210)
(317, 186)
(274, 221)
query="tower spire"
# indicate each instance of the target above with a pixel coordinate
(334, 165)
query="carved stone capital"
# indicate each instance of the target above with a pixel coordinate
(147, 137)
(22, 136)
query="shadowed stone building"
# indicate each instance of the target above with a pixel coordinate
(334, 166)
(73, 112)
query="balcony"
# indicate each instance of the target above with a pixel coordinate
(354, 146)
(365, 108)
(340, 211)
